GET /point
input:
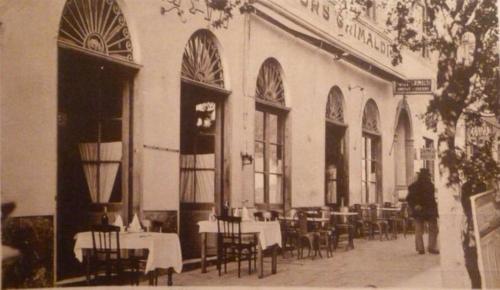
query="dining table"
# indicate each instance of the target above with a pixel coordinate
(268, 234)
(164, 250)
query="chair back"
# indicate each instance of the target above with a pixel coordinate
(105, 242)
(258, 215)
(302, 222)
(326, 213)
(229, 229)
(275, 215)
(404, 213)
(375, 212)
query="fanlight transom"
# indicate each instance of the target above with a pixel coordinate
(370, 117)
(201, 61)
(334, 106)
(270, 83)
(96, 25)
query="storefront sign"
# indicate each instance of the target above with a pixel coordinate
(355, 33)
(413, 87)
(427, 154)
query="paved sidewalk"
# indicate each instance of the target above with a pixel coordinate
(374, 263)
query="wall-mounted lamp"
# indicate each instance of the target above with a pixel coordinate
(355, 87)
(340, 56)
(246, 159)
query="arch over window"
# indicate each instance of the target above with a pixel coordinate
(335, 105)
(270, 83)
(201, 61)
(97, 26)
(371, 117)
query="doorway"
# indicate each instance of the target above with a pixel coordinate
(201, 155)
(93, 159)
(335, 173)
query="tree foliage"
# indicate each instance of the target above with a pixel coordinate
(463, 34)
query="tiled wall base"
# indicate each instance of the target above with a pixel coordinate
(167, 219)
(33, 236)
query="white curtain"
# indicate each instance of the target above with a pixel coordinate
(197, 178)
(111, 151)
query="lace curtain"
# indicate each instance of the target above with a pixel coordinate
(112, 151)
(197, 178)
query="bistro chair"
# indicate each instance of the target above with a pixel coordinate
(289, 232)
(378, 221)
(230, 244)
(326, 232)
(304, 235)
(404, 218)
(361, 221)
(106, 255)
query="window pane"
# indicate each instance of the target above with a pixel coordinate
(205, 187)
(259, 188)
(259, 156)
(275, 162)
(259, 125)
(111, 130)
(273, 128)
(275, 186)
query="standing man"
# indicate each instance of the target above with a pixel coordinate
(423, 208)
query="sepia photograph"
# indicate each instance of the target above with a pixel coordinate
(344, 144)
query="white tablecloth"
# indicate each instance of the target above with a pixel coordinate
(269, 232)
(164, 249)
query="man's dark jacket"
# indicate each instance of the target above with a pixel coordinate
(421, 192)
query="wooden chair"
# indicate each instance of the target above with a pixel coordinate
(378, 221)
(289, 233)
(304, 235)
(106, 255)
(361, 221)
(231, 246)
(326, 232)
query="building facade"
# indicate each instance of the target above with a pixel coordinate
(143, 107)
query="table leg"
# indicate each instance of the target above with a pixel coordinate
(87, 264)
(203, 252)
(260, 261)
(169, 276)
(275, 259)
(351, 236)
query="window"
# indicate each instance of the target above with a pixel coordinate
(198, 152)
(270, 116)
(370, 154)
(335, 160)
(268, 158)
(371, 10)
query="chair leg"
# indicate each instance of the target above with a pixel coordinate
(249, 261)
(239, 262)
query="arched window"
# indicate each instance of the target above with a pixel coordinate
(371, 117)
(201, 61)
(371, 175)
(97, 26)
(201, 136)
(270, 83)
(270, 117)
(336, 177)
(334, 106)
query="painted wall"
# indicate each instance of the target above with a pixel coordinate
(29, 105)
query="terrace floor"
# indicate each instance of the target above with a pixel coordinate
(373, 263)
